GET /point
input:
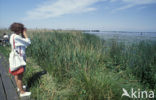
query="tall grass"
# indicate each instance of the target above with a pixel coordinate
(140, 58)
(88, 68)
(85, 67)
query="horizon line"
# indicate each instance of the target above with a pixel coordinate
(72, 29)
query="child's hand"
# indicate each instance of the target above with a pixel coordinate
(24, 30)
(24, 33)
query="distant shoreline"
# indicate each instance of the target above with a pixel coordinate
(86, 30)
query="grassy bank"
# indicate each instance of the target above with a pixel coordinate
(89, 68)
(34, 77)
(84, 67)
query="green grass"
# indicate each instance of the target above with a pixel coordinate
(85, 67)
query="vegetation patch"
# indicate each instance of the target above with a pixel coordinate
(76, 66)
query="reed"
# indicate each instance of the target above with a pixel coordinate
(84, 67)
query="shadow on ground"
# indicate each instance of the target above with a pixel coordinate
(35, 78)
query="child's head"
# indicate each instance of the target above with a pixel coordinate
(17, 28)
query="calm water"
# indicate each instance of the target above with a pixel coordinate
(126, 36)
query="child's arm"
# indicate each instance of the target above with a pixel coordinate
(24, 33)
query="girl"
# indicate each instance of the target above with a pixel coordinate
(19, 41)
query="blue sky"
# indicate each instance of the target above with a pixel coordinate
(107, 15)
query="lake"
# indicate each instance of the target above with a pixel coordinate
(125, 36)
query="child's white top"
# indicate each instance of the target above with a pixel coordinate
(20, 44)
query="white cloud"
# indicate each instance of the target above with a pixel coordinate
(143, 7)
(139, 1)
(132, 3)
(52, 9)
(113, 0)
